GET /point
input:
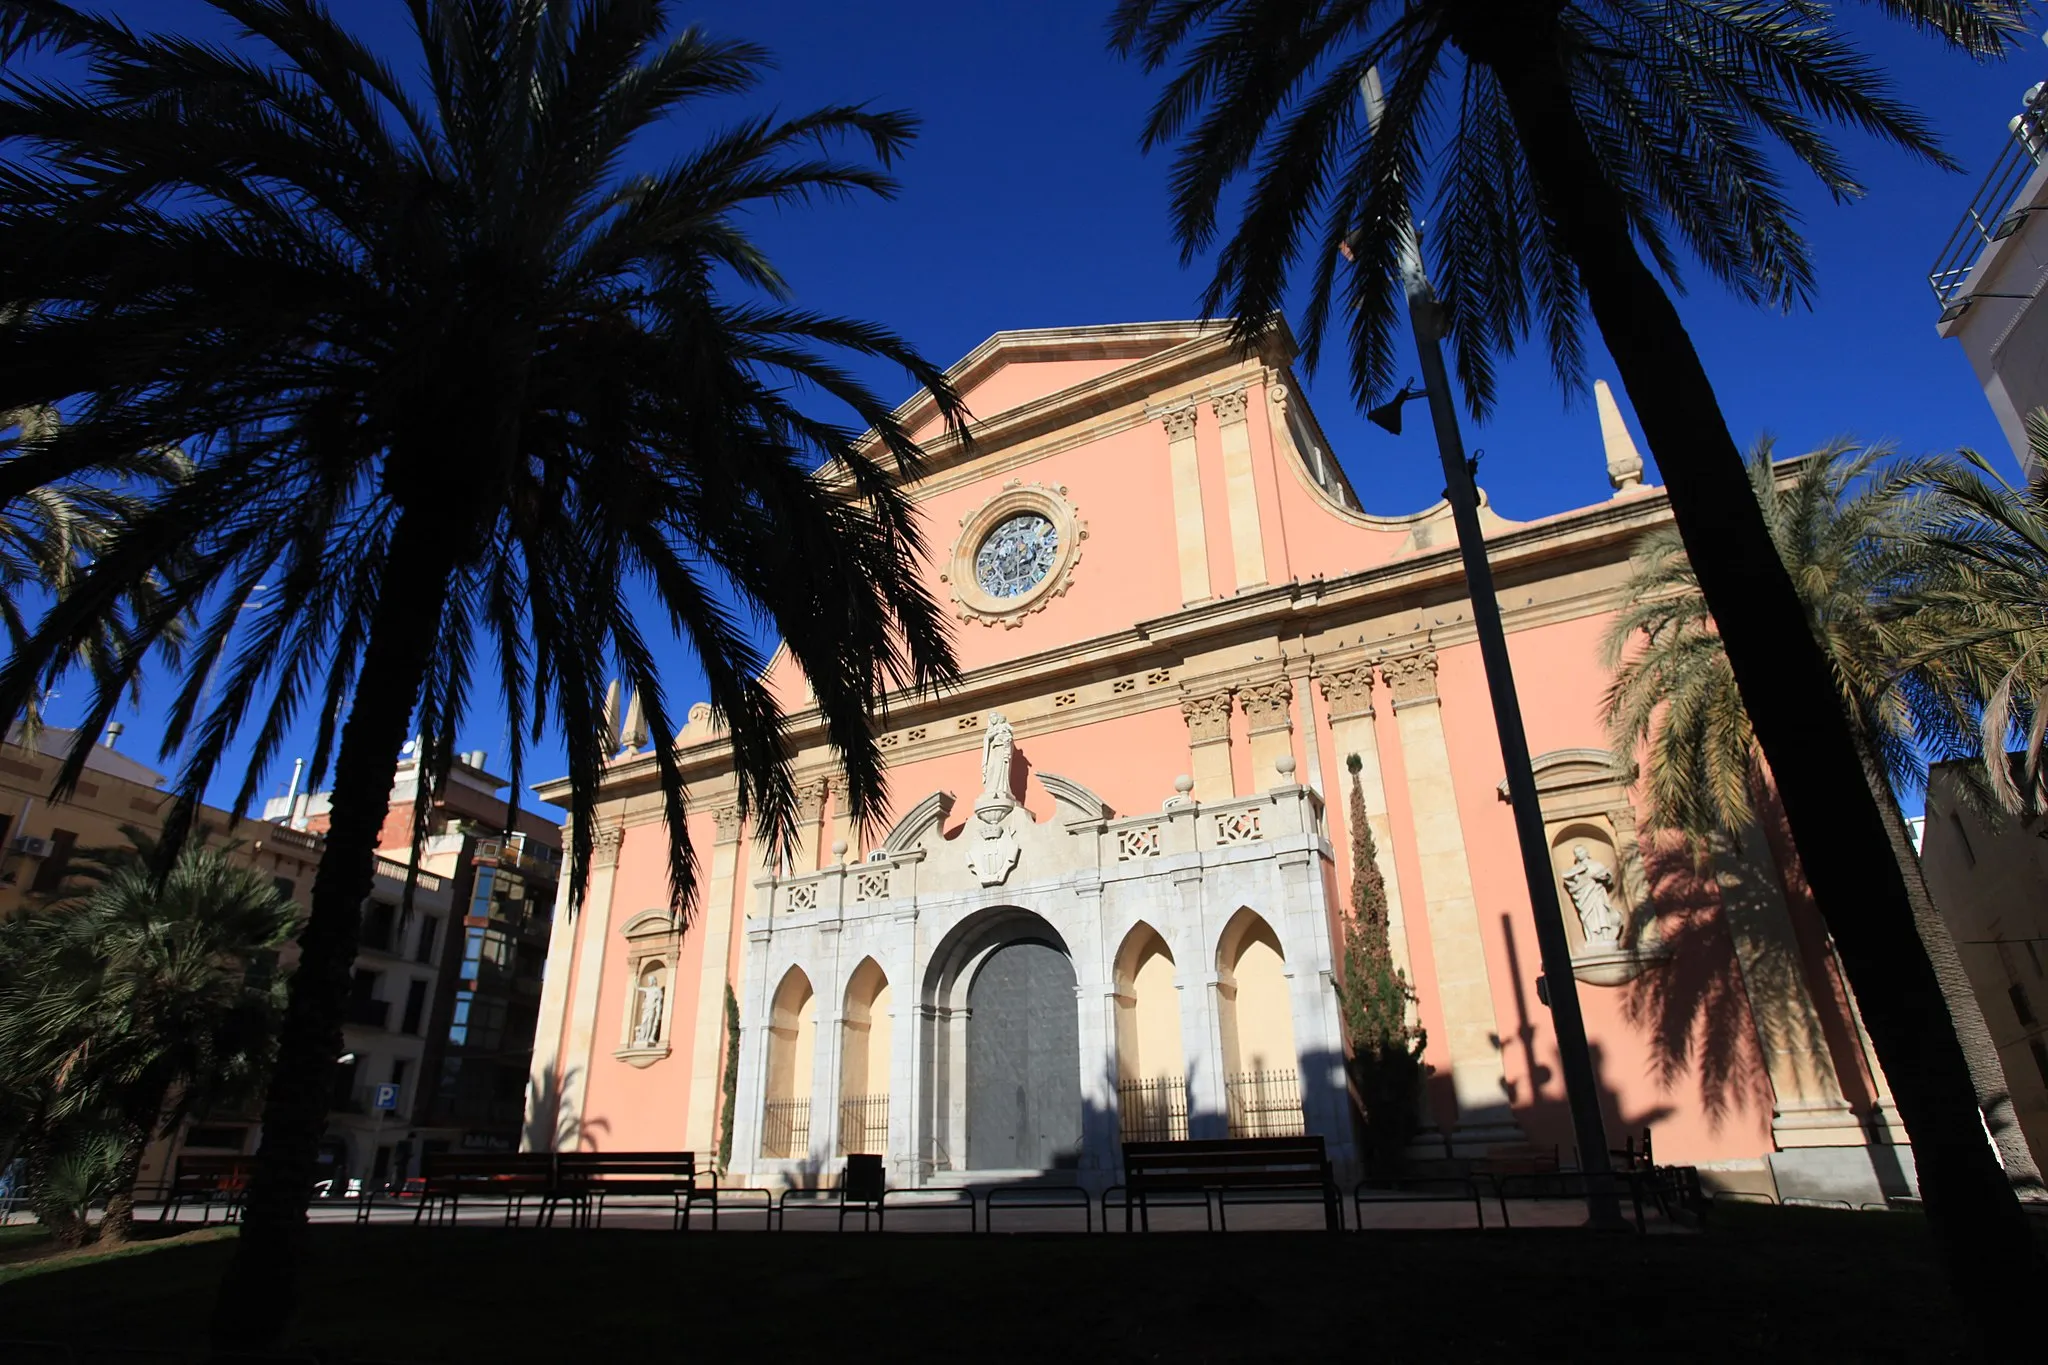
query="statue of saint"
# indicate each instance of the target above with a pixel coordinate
(647, 1027)
(1590, 883)
(998, 747)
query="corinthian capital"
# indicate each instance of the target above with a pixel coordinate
(1268, 705)
(1208, 716)
(1180, 423)
(1411, 677)
(1347, 692)
(1229, 407)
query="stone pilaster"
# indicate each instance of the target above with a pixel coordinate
(1269, 709)
(1208, 718)
(810, 819)
(596, 918)
(707, 1038)
(1241, 494)
(1464, 991)
(1808, 1107)
(544, 1075)
(1347, 698)
(1190, 531)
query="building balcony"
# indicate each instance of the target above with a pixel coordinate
(369, 1013)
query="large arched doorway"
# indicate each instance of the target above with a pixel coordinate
(864, 1063)
(792, 1043)
(1023, 1046)
(1001, 1057)
(1151, 1065)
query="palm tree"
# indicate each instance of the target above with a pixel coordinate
(142, 1000)
(1858, 549)
(1566, 138)
(470, 388)
(51, 531)
(1990, 591)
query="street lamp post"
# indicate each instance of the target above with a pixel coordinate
(1581, 1086)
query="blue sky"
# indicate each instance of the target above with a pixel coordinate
(1026, 203)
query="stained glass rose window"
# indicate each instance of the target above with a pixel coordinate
(1016, 555)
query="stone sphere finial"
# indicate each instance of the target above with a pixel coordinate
(1183, 784)
(839, 849)
(1284, 765)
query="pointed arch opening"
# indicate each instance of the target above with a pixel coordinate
(864, 1058)
(1262, 1080)
(792, 1049)
(1151, 1062)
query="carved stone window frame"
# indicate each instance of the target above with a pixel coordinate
(653, 937)
(1050, 501)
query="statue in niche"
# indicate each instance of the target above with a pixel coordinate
(998, 748)
(1591, 884)
(647, 1023)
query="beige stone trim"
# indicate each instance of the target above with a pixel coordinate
(1241, 492)
(810, 821)
(580, 1053)
(1014, 498)
(1347, 697)
(1269, 710)
(1809, 1109)
(707, 1036)
(544, 1074)
(1464, 990)
(1208, 718)
(1190, 529)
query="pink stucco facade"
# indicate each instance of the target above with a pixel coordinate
(1218, 627)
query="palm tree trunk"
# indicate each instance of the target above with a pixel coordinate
(67, 1228)
(1786, 685)
(119, 1217)
(258, 1295)
(1987, 1072)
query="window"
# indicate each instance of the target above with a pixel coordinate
(429, 926)
(285, 886)
(379, 919)
(415, 1006)
(480, 893)
(224, 1139)
(2040, 1051)
(51, 874)
(6, 823)
(2022, 1007)
(398, 1071)
(477, 1023)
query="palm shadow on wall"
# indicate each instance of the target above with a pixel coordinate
(548, 1129)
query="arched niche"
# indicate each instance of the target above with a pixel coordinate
(1255, 1015)
(1584, 795)
(654, 940)
(1151, 1061)
(864, 1055)
(792, 1047)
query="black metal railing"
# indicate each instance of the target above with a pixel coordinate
(864, 1125)
(786, 1129)
(1153, 1110)
(1264, 1104)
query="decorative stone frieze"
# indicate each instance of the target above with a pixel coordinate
(1268, 705)
(1411, 677)
(1180, 423)
(1347, 692)
(1208, 716)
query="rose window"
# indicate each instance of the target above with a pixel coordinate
(1017, 555)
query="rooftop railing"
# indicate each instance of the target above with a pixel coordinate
(1994, 212)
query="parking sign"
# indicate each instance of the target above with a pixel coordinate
(386, 1097)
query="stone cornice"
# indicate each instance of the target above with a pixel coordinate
(1597, 534)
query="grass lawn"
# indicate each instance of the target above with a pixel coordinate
(1774, 1284)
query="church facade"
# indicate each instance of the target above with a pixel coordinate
(1108, 901)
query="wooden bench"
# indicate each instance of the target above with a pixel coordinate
(588, 1179)
(1290, 1166)
(209, 1180)
(447, 1178)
